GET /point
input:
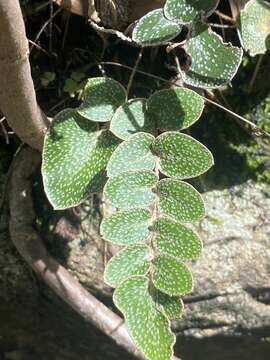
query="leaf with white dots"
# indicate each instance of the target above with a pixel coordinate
(131, 189)
(254, 22)
(126, 227)
(130, 118)
(187, 11)
(213, 63)
(132, 154)
(70, 172)
(175, 109)
(148, 327)
(154, 29)
(102, 96)
(181, 156)
(176, 240)
(134, 260)
(171, 276)
(171, 306)
(180, 201)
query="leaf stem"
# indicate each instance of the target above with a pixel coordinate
(134, 70)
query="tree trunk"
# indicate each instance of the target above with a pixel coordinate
(17, 94)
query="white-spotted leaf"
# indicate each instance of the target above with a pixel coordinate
(134, 260)
(176, 240)
(132, 154)
(131, 118)
(187, 11)
(254, 22)
(171, 276)
(154, 29)
(126, 227)
(181, 156)
(102, 96)
(70, 172)
(131, 189)
(180, 201)
(175, 109)
(171, 306)
(148, 327)
(213, 63)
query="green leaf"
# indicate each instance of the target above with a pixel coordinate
(132, 154)
(126, 227)
(180, 201)
(131, 189)
(171, 306)
(181, 156)
(176, 240)
(214, 63)
(134, 260)
(175, 109)
(186, 11)
(148, 327)
(75, 157)
(102, 96)
(171, 276)
(154, 29)
(131, 118)
(255, 26)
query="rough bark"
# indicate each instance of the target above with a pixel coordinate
(17, 94)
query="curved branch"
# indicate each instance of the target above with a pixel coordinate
(17, 94)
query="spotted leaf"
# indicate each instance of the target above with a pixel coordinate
(176, 240)
(213, 63)
(102, 96)
(148, 327)
(187, 11)
(132, 154)
(181, 156)
(171, 276)
(134, 260)
(131, 118)
(71, 172)
(175, 109)
(171, 306)
(126, 227)
(131, 189)
(180, 201)
(154, 29)
(254, 22)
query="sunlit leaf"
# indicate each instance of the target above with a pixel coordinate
(171, 276)
(175, 109)
(132, 154)
(176, 240)
(213, 63)
(134, 260)
(254, 24)
(148, 327)
(71, 172)
(131, 189)
(154, 29)
(171, 306)
(180, 201)
(126, 227)
(181, 156)
(102, 96)
(186, 11)
(131, 118)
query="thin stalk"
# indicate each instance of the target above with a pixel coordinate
(134, 71)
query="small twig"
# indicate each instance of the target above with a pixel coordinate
(38, 47)
(224, 17)
(119, 34)
(134, 71)
(4, 132)
(222, 26)
(51, 26)
(255, 73)
(44, 26)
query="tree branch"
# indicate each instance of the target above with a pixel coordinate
(17, 94)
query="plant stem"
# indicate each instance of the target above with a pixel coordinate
(134, 71)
